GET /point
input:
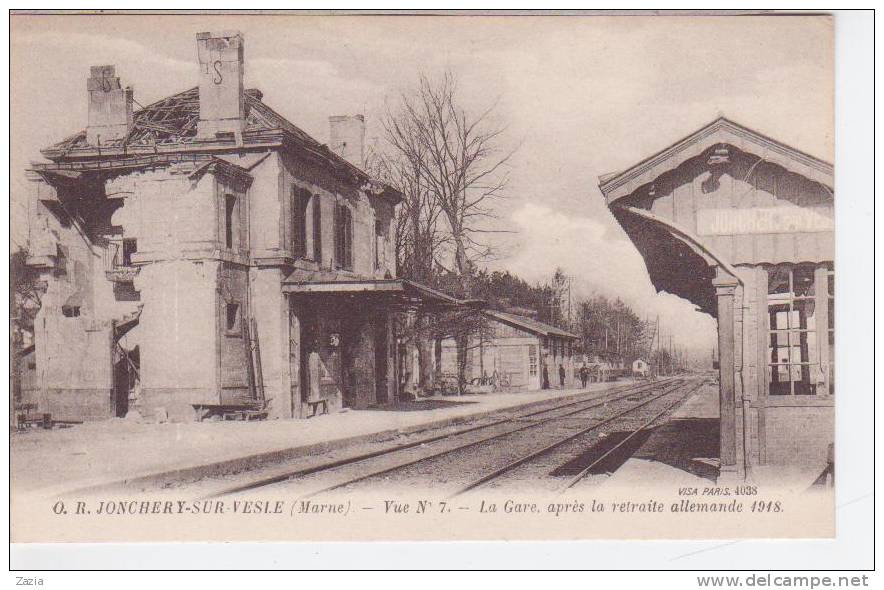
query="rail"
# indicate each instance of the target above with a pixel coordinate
(545, 450)
(615, 395)
(583, 473)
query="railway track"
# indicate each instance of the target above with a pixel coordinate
(576, 479)
(471, 440)
(540, 464)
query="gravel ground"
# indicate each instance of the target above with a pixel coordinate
(449, 472)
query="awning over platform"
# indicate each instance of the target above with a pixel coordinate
(396, 291)
(677, 262)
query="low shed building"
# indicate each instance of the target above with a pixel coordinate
(514, 351)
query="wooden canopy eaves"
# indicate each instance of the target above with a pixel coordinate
(721, 131)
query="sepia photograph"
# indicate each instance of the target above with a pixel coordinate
(422, 277)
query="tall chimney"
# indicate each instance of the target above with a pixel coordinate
(110, 106)
(222, 104)
(347, 137)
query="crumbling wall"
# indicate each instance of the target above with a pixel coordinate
(72, 335)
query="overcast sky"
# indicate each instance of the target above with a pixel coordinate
(580, 96)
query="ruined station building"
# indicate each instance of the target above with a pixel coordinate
(204, 255)
(743, 226)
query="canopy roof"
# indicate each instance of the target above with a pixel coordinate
(680, 259)
(402, 291)
(676, 262)
(531, 325)
(720, 131)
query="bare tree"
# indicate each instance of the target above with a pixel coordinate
(421, 237)
(26, 291)
(450, 168)
(456, 157)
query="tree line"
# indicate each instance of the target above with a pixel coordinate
(451, 169)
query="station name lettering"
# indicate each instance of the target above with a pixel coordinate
(764, 220)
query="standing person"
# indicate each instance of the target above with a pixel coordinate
(562, 375)
(545, 384)
(314, 368)
(584, 375)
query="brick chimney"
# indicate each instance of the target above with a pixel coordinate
(110, 106)
(222, 104)
(347, 137)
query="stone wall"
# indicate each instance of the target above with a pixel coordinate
(179, 336)
(72, 329)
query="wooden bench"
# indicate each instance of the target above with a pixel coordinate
(314, 404)
(246, 410)
(27, 416)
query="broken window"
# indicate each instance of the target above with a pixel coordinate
(71, 307)
(130, 247)
(380, 247)
(343, 237)
(125, 291)
(794, 363)
(229, 220)
(232, 317)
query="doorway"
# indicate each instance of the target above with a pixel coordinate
(126, 379)
(309, 344)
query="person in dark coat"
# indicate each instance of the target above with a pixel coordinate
(584, 375)
(545, 384)
(562, 376)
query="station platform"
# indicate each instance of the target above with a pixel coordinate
(684, 451)
(104, 454)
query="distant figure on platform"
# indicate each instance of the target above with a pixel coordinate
(545, 384)
(584, 375)
(562, 376)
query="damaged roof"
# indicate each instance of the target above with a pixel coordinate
(174, 120)
(169, 125)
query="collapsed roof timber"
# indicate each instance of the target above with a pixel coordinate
(166, 131)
